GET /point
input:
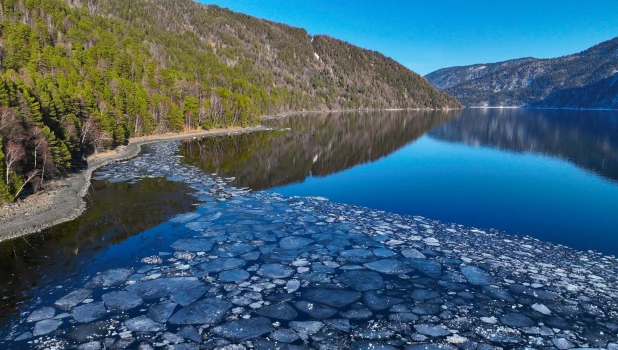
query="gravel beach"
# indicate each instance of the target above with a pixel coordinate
(63, 200)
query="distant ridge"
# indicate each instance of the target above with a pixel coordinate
(587, 79)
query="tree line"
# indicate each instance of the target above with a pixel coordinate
(82, 76)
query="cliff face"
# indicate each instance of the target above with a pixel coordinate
(583, 80)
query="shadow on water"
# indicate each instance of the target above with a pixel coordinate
(588, 139)
(115, 212)
(310, 145)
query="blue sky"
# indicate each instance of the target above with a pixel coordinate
(431, 34)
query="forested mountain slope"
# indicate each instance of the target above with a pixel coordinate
(583, 80)
(78, 76)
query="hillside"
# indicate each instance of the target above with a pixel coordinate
(583, 80)
(78, 77)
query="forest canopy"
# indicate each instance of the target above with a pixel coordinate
(80, 76)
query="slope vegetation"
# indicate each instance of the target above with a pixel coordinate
(78, 76)
(584, 80)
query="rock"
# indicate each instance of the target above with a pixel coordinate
(357, 314)
(193, 245)
(384, 253)
(189, 295)
(41, 314)
(275, 271)
(341, 324)
(562, 343)
(403, 317)
(89, 312)
(387, 266)
(361, 280)
(315, 310)
(280, 311)
(93, 345)
(424, 294)
(358, 255)
(45, 327)
(292, 242)
(263, 344)
(121, 301)
(234, 276)
(68, 301)
(161, 312)
(476, 276)
(190, 333)
(90, 331)
(243, 330)
(306, 327)
(498, 293)
(24, 336)
(331, 297)
(152, 260)
(284, 335)
(110, 278)
(431, 330)
(370, 345)
(163, 287)
(143, 324)
(530, 292)
(425, 309)
(497, 334)
(430, 346)
(378, 302)
(430, 268)
(541, 308)
(292, 285)
(207, 311)
(515, 319)
(374, 331)
(223, 264)
(413, 253)
(184, 255)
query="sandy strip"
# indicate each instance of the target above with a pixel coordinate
(63, 200)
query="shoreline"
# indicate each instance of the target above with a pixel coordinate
(64, 200)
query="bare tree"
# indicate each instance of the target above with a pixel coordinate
(7, 117)
(29, 177)
(13, 154)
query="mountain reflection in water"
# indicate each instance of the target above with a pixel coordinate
(310, 145)
(588, 139)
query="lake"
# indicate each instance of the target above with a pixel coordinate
(550, 174)
(228, 240)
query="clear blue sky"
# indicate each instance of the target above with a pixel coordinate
(431, 34)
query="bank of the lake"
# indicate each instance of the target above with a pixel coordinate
(254, 269)
(63, 201)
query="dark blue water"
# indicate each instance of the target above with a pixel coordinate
(548, 174)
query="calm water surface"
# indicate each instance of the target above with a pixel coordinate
(545, 173)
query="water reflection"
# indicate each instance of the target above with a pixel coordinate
(115, 212)
(315, 145)
(588, 139)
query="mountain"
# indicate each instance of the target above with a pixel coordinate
(80, 76)
(583, 80)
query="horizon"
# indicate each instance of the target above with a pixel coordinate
(498, 32)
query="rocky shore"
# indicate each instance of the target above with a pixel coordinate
(63, 200)
(255, 270)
